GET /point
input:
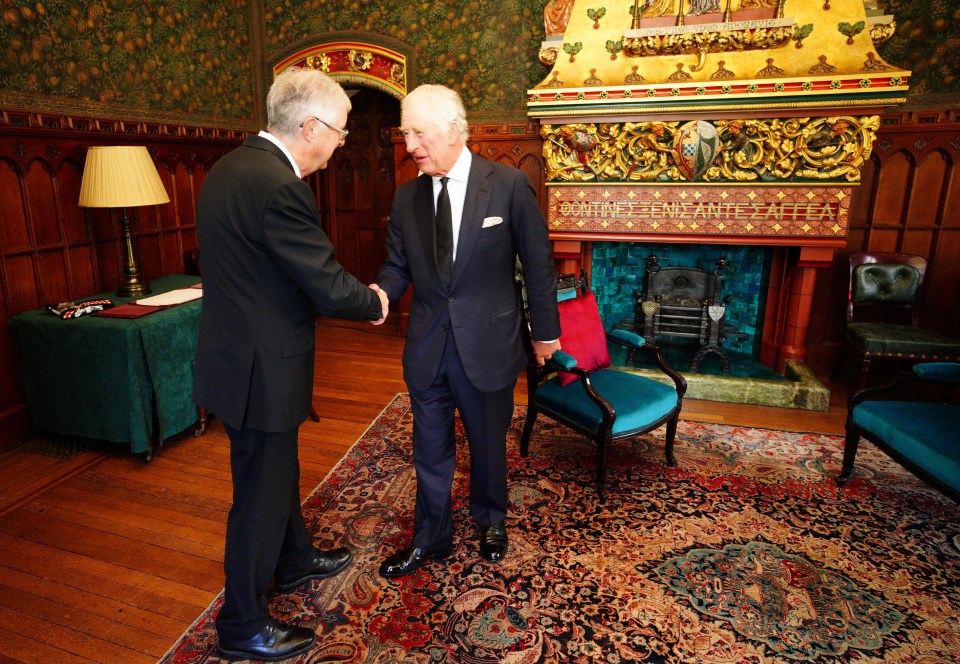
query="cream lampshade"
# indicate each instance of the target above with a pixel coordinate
(122, 176)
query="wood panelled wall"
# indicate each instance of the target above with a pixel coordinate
(909, 202)
(52, 251)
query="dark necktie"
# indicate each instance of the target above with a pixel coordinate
(444, 233)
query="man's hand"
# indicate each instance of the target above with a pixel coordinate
(384, 304)
(545, 350)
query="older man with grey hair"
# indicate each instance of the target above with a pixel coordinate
(268, 268)
(455, 235)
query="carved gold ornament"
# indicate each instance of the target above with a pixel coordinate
(548, 56)
(881, 32)
(767, 150)
(321, 62)
(711, 41)
(359, 60)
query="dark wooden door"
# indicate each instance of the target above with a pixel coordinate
(357, 185)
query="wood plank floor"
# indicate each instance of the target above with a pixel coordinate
(108, 558)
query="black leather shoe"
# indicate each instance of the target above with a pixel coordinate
(409, 560)
(324, 565)
(273, 643)
(493, 542)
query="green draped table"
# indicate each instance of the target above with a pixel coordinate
(125, 380)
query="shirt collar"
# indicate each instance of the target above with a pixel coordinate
(461, 169)
(276, 141)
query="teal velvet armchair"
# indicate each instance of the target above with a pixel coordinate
(882, 319)
(578, 389)
(923, 436)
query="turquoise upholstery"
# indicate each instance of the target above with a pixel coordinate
(638, 402)
(564, 360)
(926, 433)
(923, 436)
(938, 372)
(627, 338)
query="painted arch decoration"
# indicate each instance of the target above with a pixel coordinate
(354, 62)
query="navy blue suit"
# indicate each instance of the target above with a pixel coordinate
(464, 346)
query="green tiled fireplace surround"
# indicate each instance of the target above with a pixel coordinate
(618, 269)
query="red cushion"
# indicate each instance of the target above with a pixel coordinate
(582, 335)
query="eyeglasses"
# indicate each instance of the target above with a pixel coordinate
(343, 132)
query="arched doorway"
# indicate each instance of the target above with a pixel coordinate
(355, 191)
(358, 184)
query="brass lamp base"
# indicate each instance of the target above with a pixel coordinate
(134, 289)
(132, 285)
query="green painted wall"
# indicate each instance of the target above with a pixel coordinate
(192, 60)
(182, 58)
(927, 41)
(486, 49)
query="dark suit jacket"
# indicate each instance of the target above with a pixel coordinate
(267, 269)
(481, 303)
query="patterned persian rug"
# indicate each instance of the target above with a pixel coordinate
(746, 551)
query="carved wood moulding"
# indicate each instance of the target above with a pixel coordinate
(19, 121)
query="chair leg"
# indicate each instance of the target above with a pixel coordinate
(850, 445)
(603, 443)
(527, 430)
(670, 438)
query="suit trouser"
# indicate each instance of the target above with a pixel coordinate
(266, 534)
(486, 417)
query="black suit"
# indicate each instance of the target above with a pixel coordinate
(464, 345)
(267, 270)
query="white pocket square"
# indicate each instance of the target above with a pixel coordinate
(492, 221)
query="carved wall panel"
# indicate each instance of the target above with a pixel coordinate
(907, 202)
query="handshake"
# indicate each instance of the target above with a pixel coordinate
(384, 304)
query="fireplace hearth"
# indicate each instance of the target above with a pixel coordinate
(617, 273)
(683, 303)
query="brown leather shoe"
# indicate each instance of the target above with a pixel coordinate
(324, 565)
(493, 542)
(275, 642)
(409, 560)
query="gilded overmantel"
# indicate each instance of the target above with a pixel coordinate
(822, 149)
(740, 119)
(696, 55)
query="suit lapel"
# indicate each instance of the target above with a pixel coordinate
(475, 205)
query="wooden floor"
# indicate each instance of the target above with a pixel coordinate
(108, 558)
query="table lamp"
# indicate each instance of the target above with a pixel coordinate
(123, 176)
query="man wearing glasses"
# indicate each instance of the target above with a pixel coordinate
(268, 268)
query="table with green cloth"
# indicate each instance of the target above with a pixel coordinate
(113, 379)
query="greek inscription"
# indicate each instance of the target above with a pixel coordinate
(756, 212)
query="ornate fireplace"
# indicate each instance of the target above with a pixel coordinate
(681, 302)
(741, 122)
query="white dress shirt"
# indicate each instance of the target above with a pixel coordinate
(273, 139)
(457, 190)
